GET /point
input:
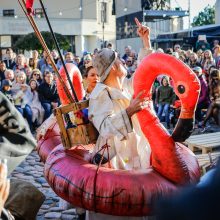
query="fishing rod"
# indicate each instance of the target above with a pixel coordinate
(41, 39)
(58, 49)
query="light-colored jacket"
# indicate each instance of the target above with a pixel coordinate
(129, 149)
(36, 107)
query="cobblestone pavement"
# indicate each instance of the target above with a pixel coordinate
(31, 170)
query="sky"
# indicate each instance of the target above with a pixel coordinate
(196, 5)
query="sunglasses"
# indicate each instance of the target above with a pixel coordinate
(35, 74)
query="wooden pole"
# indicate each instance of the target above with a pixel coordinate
(41, 39)
(58, 49)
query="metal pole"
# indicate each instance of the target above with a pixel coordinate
(103, 24)
(58, 49)
(189, 8)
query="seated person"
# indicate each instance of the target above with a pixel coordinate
(214, 87)
(21, 94)
(203, 101)
(6, 89)
(48, 94)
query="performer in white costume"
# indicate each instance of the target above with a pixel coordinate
(112, 111)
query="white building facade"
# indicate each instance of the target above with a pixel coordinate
(82, 21)
(159, 21)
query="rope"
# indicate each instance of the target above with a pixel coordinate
(103, 148)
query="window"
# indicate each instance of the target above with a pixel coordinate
(104, 12)
(38, 12)
(9, 13)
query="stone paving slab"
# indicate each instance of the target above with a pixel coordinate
(31, 170)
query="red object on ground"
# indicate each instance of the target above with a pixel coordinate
(76, 78)
(29, 5)
(114, 192)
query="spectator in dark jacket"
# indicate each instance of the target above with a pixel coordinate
(203, 101)
(48, 94)
(6, 89)
(9, 60)
(165, 97)
(2, 71)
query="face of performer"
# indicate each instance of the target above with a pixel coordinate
(33, 85)
(121, 72)
(92, 77)
(49, 78)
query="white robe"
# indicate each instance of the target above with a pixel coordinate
(129, 149)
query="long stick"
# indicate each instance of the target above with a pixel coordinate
(41, 39)
(58, 49)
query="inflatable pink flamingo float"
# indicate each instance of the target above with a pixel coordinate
(114, 192)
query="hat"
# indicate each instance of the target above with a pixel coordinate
(6, 82)
(197, 69)
(103, 62)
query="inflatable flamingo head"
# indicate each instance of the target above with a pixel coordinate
(186, 87)
(75, 77)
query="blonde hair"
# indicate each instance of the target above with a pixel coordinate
(19, 74)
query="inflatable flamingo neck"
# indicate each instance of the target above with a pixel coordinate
(186, 87)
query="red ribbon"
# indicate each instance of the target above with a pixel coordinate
(29, 5)
(79, 114)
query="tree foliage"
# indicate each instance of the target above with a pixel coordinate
(31, 42)
(207, 16)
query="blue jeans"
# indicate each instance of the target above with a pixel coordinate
(48, 109)
(26, 113)
(166, 109)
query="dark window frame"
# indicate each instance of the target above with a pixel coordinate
(8, 12)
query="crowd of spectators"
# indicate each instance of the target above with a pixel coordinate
(30, 83)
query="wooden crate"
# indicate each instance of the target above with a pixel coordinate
(204, 142)
(204, 160)
(80, 134)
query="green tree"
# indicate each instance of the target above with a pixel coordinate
(31, 42)
(207, 16)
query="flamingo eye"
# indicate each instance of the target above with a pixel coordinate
(181, 89)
